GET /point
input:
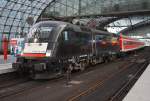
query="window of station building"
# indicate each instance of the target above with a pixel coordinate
(1, 29)
(7, 29)
(19, 15)
(26, 29)
(12, 14)
(17, 6)
(3, 3)
(28, 10)
(15, 23)
(28, 2)
(9, 21)
(5, 12)
(0, 9)
(14, 29)
(25, 16)
(2, 20)
(23, 8)
(38, 4)
(11, 5)
(34, 11)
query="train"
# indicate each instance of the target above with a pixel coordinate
(53, 47)
(130, 44)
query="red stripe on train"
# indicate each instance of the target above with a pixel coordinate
(132, 46)
(33, 55)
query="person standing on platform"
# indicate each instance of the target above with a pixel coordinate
(5, 48)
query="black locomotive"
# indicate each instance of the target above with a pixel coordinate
(51, 47)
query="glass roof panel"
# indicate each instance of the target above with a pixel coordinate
(9, 21)
(13, 29)
(17, 6)
(5, 12)
(3, 3)
(2, 21)
(14, 13)
(7, 29)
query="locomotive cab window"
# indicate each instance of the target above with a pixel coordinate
(40, 33)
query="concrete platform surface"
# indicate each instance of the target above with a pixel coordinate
(141, 89)
(10, 59)
(6, 68)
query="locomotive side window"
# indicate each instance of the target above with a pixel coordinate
(75, 37)
(65, 35)
(102, 37)
(128, 43)
(99, 37)
(83, 38)
(68, 36)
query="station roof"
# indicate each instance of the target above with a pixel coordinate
(15, 15)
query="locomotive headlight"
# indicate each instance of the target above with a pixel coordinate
(48, 53)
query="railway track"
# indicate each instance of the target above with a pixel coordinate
(97, 84)
(135, 62)
(22, 87)
(120, 94)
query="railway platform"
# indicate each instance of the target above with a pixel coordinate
(140, 91)
(6, 67)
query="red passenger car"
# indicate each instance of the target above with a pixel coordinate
(130, 44)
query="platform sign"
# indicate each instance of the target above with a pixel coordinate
(13, 42)
(16, 46)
